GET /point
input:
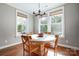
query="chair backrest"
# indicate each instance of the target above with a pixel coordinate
(24, 39)
(47, 32)
(41, 48)
(56, 40)
(26, 42)
(29, 37)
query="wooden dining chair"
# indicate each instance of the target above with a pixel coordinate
(31, 33)
(32, 46)
(42, 51)
(53, 44)
(27, 46)
(47, 33)
(56, 44)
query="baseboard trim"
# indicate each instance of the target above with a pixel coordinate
(72, 47)
(10, 45)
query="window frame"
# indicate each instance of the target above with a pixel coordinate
(16, 21)
(63, 26)
(40, 24)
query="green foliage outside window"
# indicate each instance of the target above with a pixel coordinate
(56, 26)
(43, 28)
(21, 28)
(56, 19)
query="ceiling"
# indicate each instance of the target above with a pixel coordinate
(30, 7)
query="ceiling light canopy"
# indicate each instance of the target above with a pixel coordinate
(39, 12)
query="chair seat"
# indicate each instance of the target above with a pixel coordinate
(33, 48)
(37, 52)
(41, 53)
(47, 45)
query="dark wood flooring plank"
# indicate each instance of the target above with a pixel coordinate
(17, 51)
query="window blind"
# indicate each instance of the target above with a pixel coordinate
(56, 12)
(21, 15)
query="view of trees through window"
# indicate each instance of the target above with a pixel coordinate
(43, 28)
(56, 24)
(43, 25)
(21, 25)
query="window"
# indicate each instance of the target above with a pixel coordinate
(43, 24)
(56, 22)
(20, 24)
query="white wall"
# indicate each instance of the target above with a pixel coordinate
(71, 22)
(8, 25)
(30, 23)
(36, 24)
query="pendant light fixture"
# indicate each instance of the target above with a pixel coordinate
(39, 12)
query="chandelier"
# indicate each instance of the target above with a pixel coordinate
(39, 12)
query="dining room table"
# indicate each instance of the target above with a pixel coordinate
(45, 38)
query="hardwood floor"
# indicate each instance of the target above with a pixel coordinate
(17, 51)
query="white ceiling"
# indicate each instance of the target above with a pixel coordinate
(30, 7)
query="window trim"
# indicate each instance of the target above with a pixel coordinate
(63, 26)
(49, 24)
(39, 27)
(24, 13)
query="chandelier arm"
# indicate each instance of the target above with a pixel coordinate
(39, 6)
(39, 11)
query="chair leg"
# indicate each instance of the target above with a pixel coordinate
(29, 53)
(23, 53)
(55, 52)
(47, 52)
